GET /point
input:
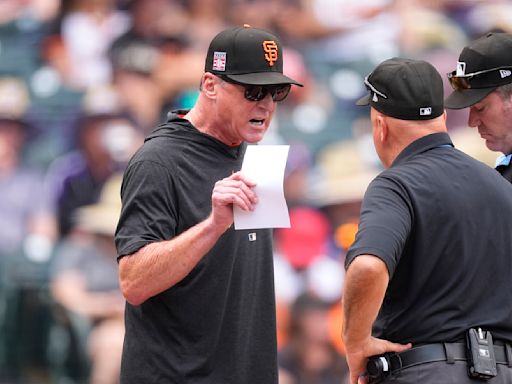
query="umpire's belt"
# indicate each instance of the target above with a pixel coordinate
(449, 352)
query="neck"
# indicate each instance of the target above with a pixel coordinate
(207, 125)
(403, 133)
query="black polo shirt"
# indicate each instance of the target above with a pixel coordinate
(440, 220)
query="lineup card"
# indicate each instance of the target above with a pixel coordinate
(265, 164)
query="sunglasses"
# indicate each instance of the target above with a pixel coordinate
(464, 82)
(259, 92)
(372, 88)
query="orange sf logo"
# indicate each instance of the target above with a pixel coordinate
(270, 48)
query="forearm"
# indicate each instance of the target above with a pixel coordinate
(366, 282)
(159, 266)
(365, 285)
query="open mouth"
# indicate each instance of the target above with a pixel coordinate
(257, 121)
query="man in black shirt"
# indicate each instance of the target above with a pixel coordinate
(200, 295)
(431, 258)
(483, 82)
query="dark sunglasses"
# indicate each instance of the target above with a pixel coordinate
(259, 92)
(464, 82)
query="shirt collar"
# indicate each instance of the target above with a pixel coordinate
(503, 160)
(423, 144)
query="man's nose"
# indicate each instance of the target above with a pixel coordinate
(267, 102)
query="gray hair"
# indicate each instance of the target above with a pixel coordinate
(505, 92)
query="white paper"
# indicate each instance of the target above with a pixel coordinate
(265, 165)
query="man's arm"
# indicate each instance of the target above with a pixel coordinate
(160, 265)
(366, 282)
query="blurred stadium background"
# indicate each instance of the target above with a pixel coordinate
(83, 81)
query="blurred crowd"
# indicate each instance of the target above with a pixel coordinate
(81, 84)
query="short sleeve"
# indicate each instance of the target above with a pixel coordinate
(149, 213)
(385, 223)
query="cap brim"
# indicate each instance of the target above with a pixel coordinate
(365, 100)
(263, 78)
(466, 97)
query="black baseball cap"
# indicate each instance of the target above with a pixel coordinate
(247, 55)
(483, 66)
(405, 89)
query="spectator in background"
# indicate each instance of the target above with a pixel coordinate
(27, 226)
(338, 27)
(206, 17)
(88, 29)
(22, 26)
(310, 356)
(307, 238)
(106, 138)
(56, 103)
(417, 37)
(482, 81)
(297, 175)
(27, 233)
(303, 263)
(261, 12)
(133, 68)
(84, 283)
(304, 257)
(154, 64)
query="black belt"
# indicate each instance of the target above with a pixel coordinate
(429, 353)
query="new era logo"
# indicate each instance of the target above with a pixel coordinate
(219, 61)
(461, 68)
(426, 111)
(505, 73)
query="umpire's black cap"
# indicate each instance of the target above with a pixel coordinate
(405, 89)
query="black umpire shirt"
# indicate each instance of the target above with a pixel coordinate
(440, 220)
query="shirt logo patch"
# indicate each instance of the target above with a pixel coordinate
(271, 52)
(252, 236)
(219, 61)
(426, 111)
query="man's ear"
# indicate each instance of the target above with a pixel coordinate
(208, 85)
(382, 128)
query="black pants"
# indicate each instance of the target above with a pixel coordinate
(440, 372)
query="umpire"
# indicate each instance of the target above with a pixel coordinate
(429, 277)
(482, 82)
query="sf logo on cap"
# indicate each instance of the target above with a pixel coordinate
(270, 48)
